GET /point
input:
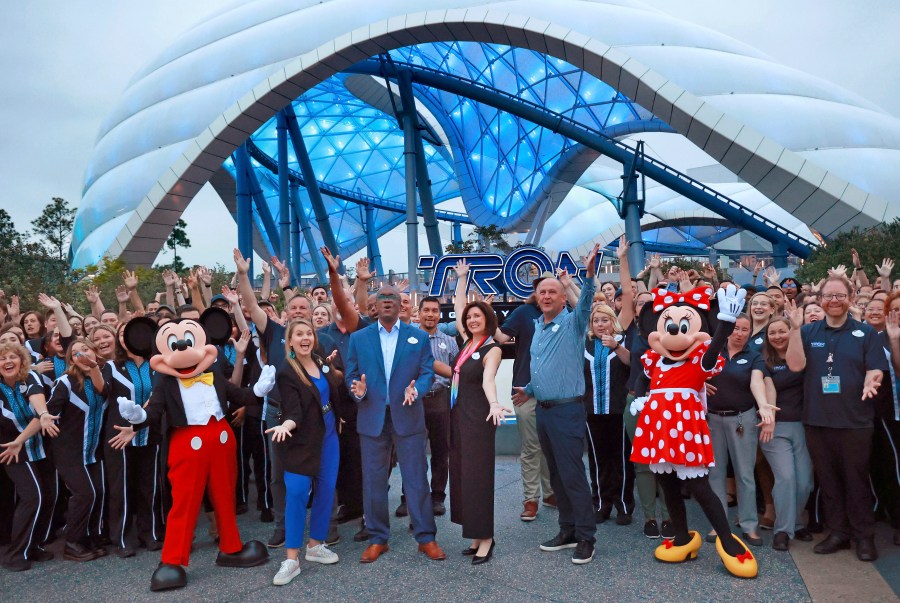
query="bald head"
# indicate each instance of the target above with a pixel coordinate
(551, 298)
(387, 304)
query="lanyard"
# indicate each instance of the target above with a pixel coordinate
(832, 343)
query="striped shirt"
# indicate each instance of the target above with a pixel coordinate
(443, 348)
(557, 351)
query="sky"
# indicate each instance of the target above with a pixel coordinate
(65, 64)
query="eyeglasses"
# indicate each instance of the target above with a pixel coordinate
(789, 286)
(383, 296)
(837, 296)
(756, 303)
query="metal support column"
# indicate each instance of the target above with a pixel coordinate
(456, 232)
(779, 255)
(284, 202)
(244, 205)
(295, 235)
(314, 255)
(631, 209)
(412, 215)
(423, 180)
(312, 186)
(373, 251)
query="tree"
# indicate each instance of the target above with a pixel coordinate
(873, 245)
(483, 239)
(177, 239)
(9, 236)
(54, 226)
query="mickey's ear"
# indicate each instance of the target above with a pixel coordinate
(140, 336)
(217, 324)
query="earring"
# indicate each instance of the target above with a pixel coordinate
(293, 355)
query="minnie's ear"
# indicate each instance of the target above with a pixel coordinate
(647, 319)
(217, 324)
(140, 336)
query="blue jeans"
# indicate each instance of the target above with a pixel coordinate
(297, 495)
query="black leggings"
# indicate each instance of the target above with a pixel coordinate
(702, 492)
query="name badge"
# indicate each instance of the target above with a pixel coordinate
(555, 328)
(741, 361)
(413, 340)
(758, 341)
(858, 333)
(325, 368)
(476, 355)
(442, 345)
(831, 385)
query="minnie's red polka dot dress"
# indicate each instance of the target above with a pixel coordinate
(672, 433)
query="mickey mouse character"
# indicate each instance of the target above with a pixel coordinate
(193, 394)
(672, 434)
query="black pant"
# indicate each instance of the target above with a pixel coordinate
(84, 516)
(133, 477)
(612, 474)
(35, 490)
(561, 433)
(253, 455)
(841, 461)
(886, 468)
(349, 479)
(437, 421)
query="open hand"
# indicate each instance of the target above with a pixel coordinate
(123, 438)
(358, 388)
(410, 394)
(279, 433)
(519, 397)
(498, 413)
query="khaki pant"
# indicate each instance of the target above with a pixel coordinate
(535, 475)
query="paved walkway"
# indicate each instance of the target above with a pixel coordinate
(623, 569)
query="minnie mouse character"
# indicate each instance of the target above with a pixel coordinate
(672, 434)
(193, 394)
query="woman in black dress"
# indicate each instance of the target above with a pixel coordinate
(474, 416)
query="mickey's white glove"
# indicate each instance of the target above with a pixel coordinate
(266, 381)
(130, 411)
(731, 302)
(637, 405)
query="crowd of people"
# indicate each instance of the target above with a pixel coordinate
(777, 398)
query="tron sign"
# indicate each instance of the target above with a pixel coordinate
(488, 270)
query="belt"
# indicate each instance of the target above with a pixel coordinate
(728, 413)
(326, 409)
(559, 402)
(435, 392)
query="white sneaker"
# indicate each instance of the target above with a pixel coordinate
(321, 554)
(290, 569)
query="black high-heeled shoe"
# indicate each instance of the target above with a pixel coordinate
(478, 560)
(469, 551)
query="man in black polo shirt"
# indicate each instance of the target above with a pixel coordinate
(844, 364)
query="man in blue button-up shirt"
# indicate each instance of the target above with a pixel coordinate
(557, 381)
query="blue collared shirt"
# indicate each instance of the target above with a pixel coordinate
(557, 351)
(388, 347)
(443, 348)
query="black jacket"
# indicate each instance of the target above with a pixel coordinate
(166, 399)
(302, 452)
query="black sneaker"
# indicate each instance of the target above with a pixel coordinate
(584, 552)
(781, 541)
(438, 508)
(240, 508)
(17, 565)
(333, 536)
(363, 534)
(559, 542)
(667, 530)
(651, 530)
(38, 554)
(401, 510)
(75, 551)
(266, 516)
(277, 539)
(803, 535)
(623, 519)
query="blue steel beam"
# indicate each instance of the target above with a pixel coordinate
(346, 194)
(262, 210)
(302, 218)
(660, 172)
(284, 202)
(244, 204)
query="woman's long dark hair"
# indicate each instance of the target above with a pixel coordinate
(769, 354)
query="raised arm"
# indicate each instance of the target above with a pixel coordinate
(284, 279)
(267, 281)
(62, 323)
(795, 356)
(344, 307)
(235, 305)
(363, 276)
(586, 299)
(626, 316)
(460, 299)
(204, 275)
(196, 294)
(92, 294)
(245, 289)
(122, 300)
(131, 284)
(655, 272)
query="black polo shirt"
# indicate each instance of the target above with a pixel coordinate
(733, 383)
(756, 341)
(887, 406)
(789, 392)
(520, 324)
(856, 349)
(637, 345)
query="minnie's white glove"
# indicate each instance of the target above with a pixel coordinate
(637, 405)
(130, 411)
(731, 302)
(266, 381)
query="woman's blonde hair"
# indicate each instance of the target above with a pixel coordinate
(328, 309)
(22, 352)
(289, 352)
(604, 309)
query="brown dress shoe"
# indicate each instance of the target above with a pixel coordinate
(550, 501)
(433, 551)
(530, 511)
(373, 552)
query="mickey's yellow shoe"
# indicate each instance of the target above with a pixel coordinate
(670, 553)
(742, 566)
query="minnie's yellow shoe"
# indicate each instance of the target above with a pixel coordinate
(742, 566)
(670, 553)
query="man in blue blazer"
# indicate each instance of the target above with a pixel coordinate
(389, 366)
